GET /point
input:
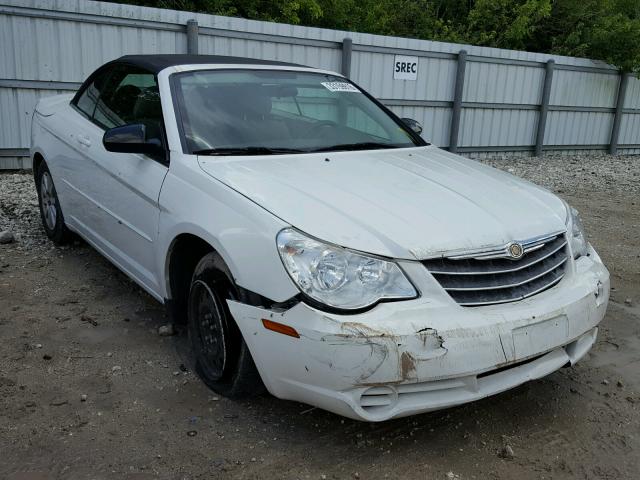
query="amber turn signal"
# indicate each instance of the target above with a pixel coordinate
(280, 328)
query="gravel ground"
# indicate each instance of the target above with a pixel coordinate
(19, 211)
(89, 389)
(564, 174)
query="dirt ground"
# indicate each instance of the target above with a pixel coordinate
(89, 390)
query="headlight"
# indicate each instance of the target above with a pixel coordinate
(577, 236)
(337, 277)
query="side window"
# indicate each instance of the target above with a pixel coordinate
(86, 103)
(130, 95)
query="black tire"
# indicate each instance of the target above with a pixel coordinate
(222, 358)
(50, 211)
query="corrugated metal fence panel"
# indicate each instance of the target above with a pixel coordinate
(15, 133)
(374, 71)
(630, 124)
(239, 26)
(65, 40)
(632, 100)
(327, 58)
(500, 84)
(578, 128)
(472, 50)
(584, 89)
(168, 19)
(15, 163)
(435, 121)
(482, 127)
(581, 89)
(630, 130)
(496, 83)
(629, 151)
(61, 50)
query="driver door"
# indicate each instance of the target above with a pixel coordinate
(126, 186)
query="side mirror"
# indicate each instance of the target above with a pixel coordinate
(412, 124)
(131, 138)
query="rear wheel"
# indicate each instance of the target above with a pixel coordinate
(50, 211)
(222, 357)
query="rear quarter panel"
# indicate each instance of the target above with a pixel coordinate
(51, 133)
(47, 134)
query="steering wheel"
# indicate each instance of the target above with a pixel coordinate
(320, 124)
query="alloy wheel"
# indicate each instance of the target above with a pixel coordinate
(48, 201)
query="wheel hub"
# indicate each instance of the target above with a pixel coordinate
(209, 329)
(48, 201)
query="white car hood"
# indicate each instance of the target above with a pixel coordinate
(413, 203)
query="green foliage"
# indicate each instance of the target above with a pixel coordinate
(608, 30)
(505, 23)
(615, 38)
(286, 11)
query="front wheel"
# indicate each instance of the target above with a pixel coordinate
(50, 211)
(222, 358)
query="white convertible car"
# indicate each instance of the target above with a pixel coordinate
(311, 240)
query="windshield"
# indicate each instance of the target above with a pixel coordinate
(269, 111)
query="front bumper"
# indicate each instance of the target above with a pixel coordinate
(415, 356)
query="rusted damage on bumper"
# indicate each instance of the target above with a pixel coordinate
(383, 347)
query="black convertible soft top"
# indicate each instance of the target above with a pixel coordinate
(155, 63)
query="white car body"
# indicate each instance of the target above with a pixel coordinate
(410, 205)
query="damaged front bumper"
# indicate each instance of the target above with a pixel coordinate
(403, 358)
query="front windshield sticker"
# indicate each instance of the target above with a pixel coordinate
(340, 87)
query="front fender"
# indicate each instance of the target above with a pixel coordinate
(239, 230)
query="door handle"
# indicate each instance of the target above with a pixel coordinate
(83, 140)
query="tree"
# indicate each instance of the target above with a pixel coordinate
(608, 30)
(616, 40)
(506, 23)
(285, 11)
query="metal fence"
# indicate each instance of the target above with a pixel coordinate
(471, 100)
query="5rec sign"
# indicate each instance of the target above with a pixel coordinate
(405, 68)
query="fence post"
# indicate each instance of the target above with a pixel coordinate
(544, 107)
(347, 47)
(192, 37)
(617, 119)
(457, 101)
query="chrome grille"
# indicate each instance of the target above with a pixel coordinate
(490, 277)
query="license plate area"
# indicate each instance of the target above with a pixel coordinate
(540, 337)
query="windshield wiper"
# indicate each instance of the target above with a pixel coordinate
(355, 146)
(246, 151)
(277, 150)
